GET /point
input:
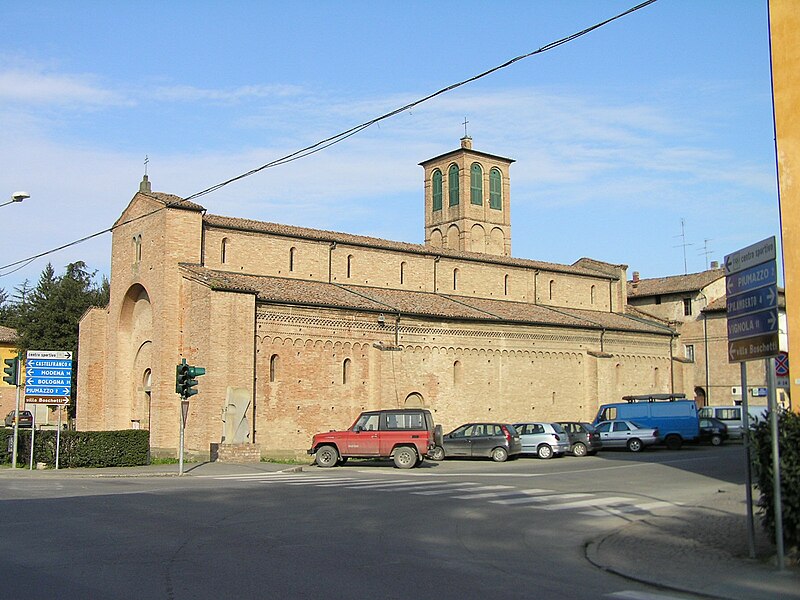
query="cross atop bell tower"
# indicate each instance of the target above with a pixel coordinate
(467, 200)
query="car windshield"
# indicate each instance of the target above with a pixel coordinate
(636, 425)
(588, 427)
(557, 428)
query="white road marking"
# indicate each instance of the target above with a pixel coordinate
(535, 499)
(589, 502)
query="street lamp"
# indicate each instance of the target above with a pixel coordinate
(17, 197)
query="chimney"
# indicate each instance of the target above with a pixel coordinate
(635, 277)
(715, 264)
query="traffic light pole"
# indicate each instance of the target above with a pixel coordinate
(16, 420)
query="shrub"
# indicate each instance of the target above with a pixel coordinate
(124, 448)
(789, 445)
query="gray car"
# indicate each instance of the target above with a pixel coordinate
(497, 441)
(626, 434)
(583, 438)
(545, 440)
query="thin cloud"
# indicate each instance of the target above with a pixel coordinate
(187, 93)
(54, 89)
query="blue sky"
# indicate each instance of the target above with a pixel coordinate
(660, 117)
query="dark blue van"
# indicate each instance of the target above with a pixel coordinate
(674, 415)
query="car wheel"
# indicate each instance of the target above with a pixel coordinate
(716, 440)
(405, 457)
(673, 442)
(437, 453)
(544, 451)
(326, 456)
(499, 454)
(579, 449)
(635, 445)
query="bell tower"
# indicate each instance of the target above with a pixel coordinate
(467, 201)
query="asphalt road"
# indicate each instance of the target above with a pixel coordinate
(457, 529)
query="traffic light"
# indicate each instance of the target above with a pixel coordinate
(181, 377)
(11, 371)
(185, 381)
(191, 382)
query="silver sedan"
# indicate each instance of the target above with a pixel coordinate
(626, 434)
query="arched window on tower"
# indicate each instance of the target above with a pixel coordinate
(476, 184)
(452, 184)
(551, 289)
(457, 372)
(349, 265)
(402, 272)
(593, 294)
(455, 279)
(273, 368)
(437, 190)
(495, 189)
(223, 251)
(292, 253)
(505, 285)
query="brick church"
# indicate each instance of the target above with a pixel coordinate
(300, 329)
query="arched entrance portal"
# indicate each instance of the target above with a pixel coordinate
(133, 372)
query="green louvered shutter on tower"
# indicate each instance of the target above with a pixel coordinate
(476, 184)
(452, 184)
(437, 190)
(495, 189)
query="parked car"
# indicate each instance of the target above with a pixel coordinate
(497, 441)
(545, 440)
(405, 435)
(713, 431)
(583, 438)
(627, 434)
(673, 415)
(25, 419)
(732, 417)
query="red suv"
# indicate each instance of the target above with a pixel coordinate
(405, 435)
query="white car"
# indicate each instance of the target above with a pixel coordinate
(545, 440)
(626, 434)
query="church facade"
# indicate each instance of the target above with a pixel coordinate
(300, 329)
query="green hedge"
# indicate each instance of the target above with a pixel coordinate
(789, 444)
(125, 448)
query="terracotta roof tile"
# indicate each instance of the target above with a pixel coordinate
(674, 284)
(8, 335)
(279, 290)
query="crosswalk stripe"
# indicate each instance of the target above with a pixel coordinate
(538, 499)
(395, 484)
(618, 510)
(637, 595)
(589, 502)
(343, 482)
(479, 488)
(453, 487)
(497, 494)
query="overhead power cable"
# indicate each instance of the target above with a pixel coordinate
(339, 137)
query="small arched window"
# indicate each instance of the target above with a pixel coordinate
(476, 184)
(495, 189)
(457, 372)
(402, 272)
(552, 289)
(452, 184)
(292, 253)
(349, 265)
(455, 279)
(593, 294)
(437, 190)
(273, 368)
(137, 249)
(223, 251)
(505, 285)
(345, 371)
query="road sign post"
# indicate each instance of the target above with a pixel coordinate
(751, 284)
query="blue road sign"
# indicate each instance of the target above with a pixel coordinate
(47, 363)
(765, 298)
(37, 381)
(751, 279)
(47, 372)
(36, 390)
(752, 325)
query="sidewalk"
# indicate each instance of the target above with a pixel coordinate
(700, 551)
(171, 470)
